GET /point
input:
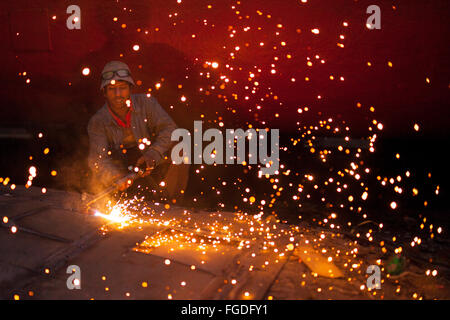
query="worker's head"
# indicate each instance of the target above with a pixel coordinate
(116, 84)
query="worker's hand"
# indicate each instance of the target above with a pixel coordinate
(150, 158)
(139, 164)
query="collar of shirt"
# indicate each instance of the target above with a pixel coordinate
(127, 123)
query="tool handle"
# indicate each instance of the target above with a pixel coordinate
(131, 176)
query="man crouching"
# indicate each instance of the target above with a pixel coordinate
(132, 130)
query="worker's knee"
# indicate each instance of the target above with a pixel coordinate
(176, 180)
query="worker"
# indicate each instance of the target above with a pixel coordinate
(129, 131)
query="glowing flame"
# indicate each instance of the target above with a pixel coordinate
(115, 215)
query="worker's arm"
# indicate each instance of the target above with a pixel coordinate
(162, 125)
(98, 159)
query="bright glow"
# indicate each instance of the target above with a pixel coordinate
(114, 216)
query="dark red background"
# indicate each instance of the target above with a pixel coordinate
(414, 37)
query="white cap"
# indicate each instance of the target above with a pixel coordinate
(115, 66)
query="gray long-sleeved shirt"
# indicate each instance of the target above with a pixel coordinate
(148, 120)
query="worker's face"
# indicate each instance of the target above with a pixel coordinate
(117, 94)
